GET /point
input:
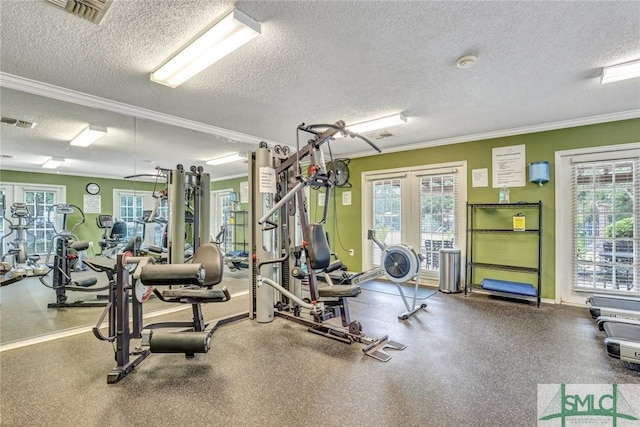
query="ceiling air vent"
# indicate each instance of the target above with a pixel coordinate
(91, 10)
(17, 123)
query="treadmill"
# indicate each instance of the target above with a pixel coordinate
(623, 341)
(614, 306)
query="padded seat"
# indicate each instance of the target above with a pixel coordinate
(210, 256)
(339, 291)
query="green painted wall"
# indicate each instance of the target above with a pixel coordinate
(539, 146)
(75, 186)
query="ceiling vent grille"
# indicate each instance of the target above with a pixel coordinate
(17, 123)
(91, 10)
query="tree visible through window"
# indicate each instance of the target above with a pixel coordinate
(606, 212)
(40, 234)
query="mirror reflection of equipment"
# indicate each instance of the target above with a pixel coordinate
(22, 263)
(66, 259)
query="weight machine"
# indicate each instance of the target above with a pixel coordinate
(22, 264)
(189, 196)
(282, 260)
(133, 274)
(66, 258)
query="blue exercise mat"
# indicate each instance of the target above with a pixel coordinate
(392, 289)
(510, 287)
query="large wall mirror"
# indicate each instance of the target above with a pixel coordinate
(119, 175)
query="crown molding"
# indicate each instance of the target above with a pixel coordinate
(563, 124)
(11, 81)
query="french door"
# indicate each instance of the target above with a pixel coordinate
(421, 207)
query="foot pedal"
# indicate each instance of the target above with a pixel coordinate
(376, 348)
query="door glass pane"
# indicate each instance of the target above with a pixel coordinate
(386, 214)
(437, 217)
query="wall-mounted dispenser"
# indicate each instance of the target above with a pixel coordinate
(539, 172)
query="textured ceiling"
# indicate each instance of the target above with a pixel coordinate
(316, 62)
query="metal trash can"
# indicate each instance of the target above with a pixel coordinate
(450, 271)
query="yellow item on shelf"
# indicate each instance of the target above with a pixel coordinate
(519, 222)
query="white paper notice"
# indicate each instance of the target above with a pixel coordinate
(480, 177)
(509, 166)
(321, 198)
(267, 180)
(244, 192)
(92, 204)
(346, 198)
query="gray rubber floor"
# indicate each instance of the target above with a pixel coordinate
(471, 361)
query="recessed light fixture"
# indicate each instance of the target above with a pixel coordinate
(233, 157)
(53, 162)
(376, 124)
(615, 73)
(228, 34)
(88, 136)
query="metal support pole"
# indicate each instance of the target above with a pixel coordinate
(205, 209)
(176, 223)
(264, 246)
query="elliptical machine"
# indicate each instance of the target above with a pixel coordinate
(22, 264)
(67, 246)
(113, 235)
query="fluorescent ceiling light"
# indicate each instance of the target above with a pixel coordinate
(233, 157)
(53, 163)
(376, 124)
(89, 136)
(227, 35)
(619, 72)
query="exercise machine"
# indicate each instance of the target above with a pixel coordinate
(113, 235)
(287, 250)
(623, 338)
(22, 264)
(185, 337)
(614, 306)
(188, 192)
(400, 264)
(67, 246)
(619, 317)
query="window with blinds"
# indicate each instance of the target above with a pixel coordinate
(41, 231)
(606, 208)
(418, 207)
(438, 210)
(131, 207)
(386, 214)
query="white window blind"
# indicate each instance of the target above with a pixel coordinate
(438, 215)
(606, 208)
(386, 214)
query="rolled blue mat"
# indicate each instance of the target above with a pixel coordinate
(510, 287)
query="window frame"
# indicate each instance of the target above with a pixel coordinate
(564, 232)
